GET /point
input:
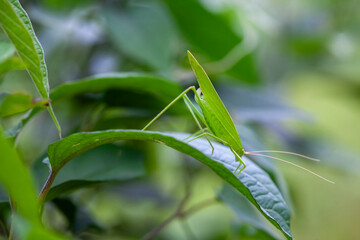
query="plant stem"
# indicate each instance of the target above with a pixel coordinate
(46, 188)
(199, 206)
(179, 213)
(53, 116)
(176, 214)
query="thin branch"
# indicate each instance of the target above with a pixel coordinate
(176, 214)
(179, 213)
(199, 206)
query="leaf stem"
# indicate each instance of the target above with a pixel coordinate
(53, 116)
(46, 188)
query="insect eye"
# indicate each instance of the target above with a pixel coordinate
(199, 92)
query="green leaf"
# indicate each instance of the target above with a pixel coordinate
(15, 103)
(16, 23)
(155, 85)
(16, 179)
(17, 26)
(243, 209)
(159, 87)
(253, 182)
(142, 32)
(212, 35)
(119, 163)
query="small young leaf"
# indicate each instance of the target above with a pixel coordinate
(15, 103)
(253, 182)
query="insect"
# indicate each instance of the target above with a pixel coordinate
(217, 120)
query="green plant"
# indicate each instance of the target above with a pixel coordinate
(256, 184)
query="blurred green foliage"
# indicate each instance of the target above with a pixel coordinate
(287, 71)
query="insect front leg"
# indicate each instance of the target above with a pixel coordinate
(169, 105)
(210, 135)
(198, 117)
(202, 130)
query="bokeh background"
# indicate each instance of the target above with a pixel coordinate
(288, 71)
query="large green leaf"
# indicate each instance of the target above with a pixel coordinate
(212, 35)
(17, 181)
(17, 26)
(155, 85)
(161, 88)
(243, 209)
(118, 163)
(253, 182)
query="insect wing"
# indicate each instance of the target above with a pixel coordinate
(214, 102)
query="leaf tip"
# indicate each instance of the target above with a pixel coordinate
(190, 56)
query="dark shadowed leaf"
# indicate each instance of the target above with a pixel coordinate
(212, 35)
(155, 85)
(142, 84)
(105, 164)
(79, 220)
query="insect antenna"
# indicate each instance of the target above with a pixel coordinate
(294, 164)
(284, 152)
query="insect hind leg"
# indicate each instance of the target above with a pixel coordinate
(225, 143)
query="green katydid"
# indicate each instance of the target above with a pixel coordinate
(217, 120)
